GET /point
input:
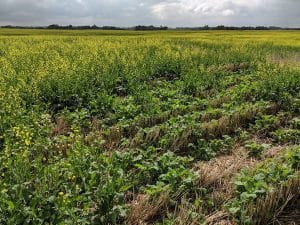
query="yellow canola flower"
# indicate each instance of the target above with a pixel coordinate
(27, 142)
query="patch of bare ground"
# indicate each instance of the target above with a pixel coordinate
(61, 127)
(237, 67)
(290, 60)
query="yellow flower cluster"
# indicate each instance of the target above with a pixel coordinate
(24, 135)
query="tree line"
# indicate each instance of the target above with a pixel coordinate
(149, 28)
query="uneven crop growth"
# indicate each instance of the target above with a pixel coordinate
(123, 127)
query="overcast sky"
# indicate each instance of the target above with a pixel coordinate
(158, 12)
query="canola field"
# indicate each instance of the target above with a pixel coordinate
(166, 127)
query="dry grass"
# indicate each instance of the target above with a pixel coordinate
(290, 215)
(266, 210)
(228, 124)
(208, 116)
(115, 133)
(212, 129)
(273, 151)
(217, 174)
(291, 60)
(219, 218)
(187, 214)
(182, 141)
(144, 209)
(237, 67)
(61, 127)
(219, 101)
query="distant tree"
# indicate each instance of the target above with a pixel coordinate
(94, 27)
(261, 28)
(53, 26)
(220, 27)
(206, 27)
(110, 28)
(151, 27)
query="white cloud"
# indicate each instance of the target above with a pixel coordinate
(157, 12)
(229, 12)
(203, 8)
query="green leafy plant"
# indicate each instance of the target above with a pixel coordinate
(255, 183)
(287, 135)
(255, 149)
(266, 123)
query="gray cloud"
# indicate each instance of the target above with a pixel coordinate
(157, 12)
